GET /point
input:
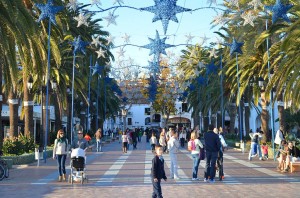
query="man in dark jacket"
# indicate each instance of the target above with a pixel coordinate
(212, 147)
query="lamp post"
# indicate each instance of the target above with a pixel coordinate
(179, 118)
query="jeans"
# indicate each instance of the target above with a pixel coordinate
(173, 166)
(61, 163)
(182, 142)
(253, 150)
(210, 168)
(259, 151)
(99, 145)
(196, 162)
(156, 189)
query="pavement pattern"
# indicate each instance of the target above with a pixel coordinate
(112, 173)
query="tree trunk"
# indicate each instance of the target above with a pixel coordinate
(1, 99)
(28, 109)
(247, 118)
(13, 113)
(232, 114)
(281, 114)
(57, 109)
(196, 118)
(264, 117)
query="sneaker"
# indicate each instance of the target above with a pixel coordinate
(205, 180)
(194, 179)
(212, 181)
(176, 178)
(262, 159)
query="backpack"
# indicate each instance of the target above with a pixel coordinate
(191, 145)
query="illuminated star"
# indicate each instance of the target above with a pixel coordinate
(118, 1)
(82, 20)
(110, 39)
(204, 39)
(96, 41)
(189, 62)
(248, 18)
(255, 4)
(189, 38)
(48, 11)
(93, 2)
(233, 3)
(165, 10)
(210, 2)
(157, 46)
(220, 19)
(97, 69)
(235, 47)
(101, 53)
(121, 52)
(212, 53)
(72, 5)
(126, 38)
(111, 19)
(193, 53)
(79, 45)
(279, 11)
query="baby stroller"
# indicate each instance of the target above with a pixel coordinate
(77, 166)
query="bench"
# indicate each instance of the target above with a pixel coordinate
(294, 166)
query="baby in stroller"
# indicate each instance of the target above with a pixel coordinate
(77, 165)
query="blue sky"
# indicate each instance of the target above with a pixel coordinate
(138, 25)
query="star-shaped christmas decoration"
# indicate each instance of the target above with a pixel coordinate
(118, 1)
(233, 3)
(165, 10)
(255, 4)
(157, 45)
(101, 53)
(126, 38)
(79, 45)
(72, 5)
(279, 11)
(189, 38)
(121, 52)
(210, 2)
(211, 68)
(110, 39)
(220, 19)
(248, 18)
(111, 19)
(235, 47)
(212, 53)
(204, 39)
(94, 2)
(95, 41)
(82, 20)
(97, 69)
(48, 11)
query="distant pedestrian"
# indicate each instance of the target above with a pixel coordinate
(173, 146)
(182, 138)
(194, 146)
(153, 142)
(98, 136)
(162, 140)
(124, 142)
(157, 172)
(212, 147)
(265, 151)
(60, 151)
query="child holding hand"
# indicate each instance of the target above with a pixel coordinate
(157, 172)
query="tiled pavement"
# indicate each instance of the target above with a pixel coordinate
(114, 174)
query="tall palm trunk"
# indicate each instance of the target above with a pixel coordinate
(28, 109)
(13, 113)
(281, 113)
(247, 114)
(1, 99)
(264, 117)
(57, 109)
(232, 114)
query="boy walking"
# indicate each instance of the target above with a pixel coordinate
(157, 172)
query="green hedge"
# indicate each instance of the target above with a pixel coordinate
(26, 158)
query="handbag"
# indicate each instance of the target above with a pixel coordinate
(202, 154)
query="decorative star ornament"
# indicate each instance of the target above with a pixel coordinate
(233, 3)
(279, 11)
(165, 10)
(94, 2)
(101, 53)
(235, 47)
(189, 38)
(118, 2)
(95, 41)
(211, 68)
(111, 19)
(72, 5)
(48, 11)
(157, 45)
(201, 80)
(248, 18)
(210, 2)
(255, 4)
(82, 20)
(212, 53)
(79, 45)
(110, 39)
(154, 66)
(219, 19)
(204, 39)
(97, 69)
(126, 38)
(121, 52)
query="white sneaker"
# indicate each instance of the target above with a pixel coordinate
(195, 179)
(205, 180)
(176, 178)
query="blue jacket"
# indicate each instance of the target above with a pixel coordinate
(212, 142)
(158, 170)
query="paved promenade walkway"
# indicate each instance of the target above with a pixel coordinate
(114, 174)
